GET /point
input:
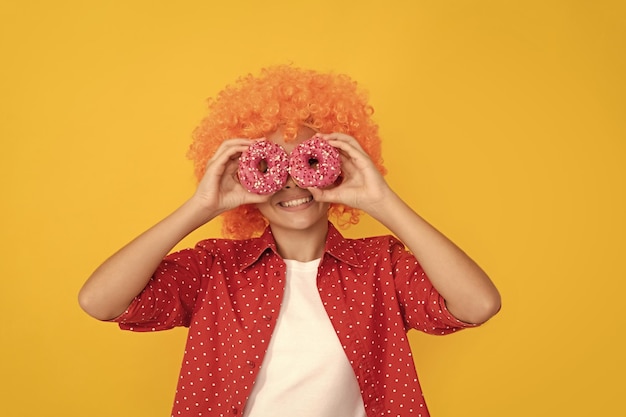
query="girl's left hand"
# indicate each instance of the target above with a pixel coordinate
(362, 186)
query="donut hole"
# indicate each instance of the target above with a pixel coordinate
(314, 163)
(262, 166)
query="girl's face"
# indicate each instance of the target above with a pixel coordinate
(292, 208)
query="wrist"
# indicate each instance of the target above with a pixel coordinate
(383, 204)
(197, 212)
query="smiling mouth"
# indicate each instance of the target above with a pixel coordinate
(296, 202)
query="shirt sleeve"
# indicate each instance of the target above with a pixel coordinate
(169, 298)
(422, 306)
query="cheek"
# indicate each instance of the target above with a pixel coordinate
(324, 207)
(263, 207)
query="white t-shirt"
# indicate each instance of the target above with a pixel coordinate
(305, 372)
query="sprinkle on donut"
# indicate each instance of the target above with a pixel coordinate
(314, 163)
(263, 167)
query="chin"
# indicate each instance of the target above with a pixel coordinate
(300, 223)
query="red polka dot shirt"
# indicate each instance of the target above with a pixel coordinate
(228, 292)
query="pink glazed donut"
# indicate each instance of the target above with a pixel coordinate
(314, 163)
(263, 167)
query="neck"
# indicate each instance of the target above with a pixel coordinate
(301, 245)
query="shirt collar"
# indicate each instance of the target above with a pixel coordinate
(255, 247)
(336, 246)
(340, 248)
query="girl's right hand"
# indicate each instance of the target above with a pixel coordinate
(219, 189)
(112, 286)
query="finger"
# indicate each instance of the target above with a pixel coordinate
(231, 148)
(337, 138)
(351, 146)
(227, 155)
(351, 155)
(252, 198)
(323, 196)
(231, 166)
(334, 135)
(348, 167)
(342, 141)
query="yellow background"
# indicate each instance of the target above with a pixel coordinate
(503, 124)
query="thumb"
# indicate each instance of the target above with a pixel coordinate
(318, 195)
(323, 195)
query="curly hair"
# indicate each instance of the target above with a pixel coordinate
(288, 97)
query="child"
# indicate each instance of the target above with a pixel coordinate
(287, 317)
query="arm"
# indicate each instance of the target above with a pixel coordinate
(469, 293)
(114, 284)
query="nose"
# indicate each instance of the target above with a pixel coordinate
(290, 183)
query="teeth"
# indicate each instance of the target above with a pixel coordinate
(297, 202)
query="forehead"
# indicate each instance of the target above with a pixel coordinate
(304, 133)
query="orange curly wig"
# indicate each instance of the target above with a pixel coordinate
(287, 97)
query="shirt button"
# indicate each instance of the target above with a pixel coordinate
(267, 317)
(235, 410)
(251, 364)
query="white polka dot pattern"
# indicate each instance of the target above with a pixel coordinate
(229, 293)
